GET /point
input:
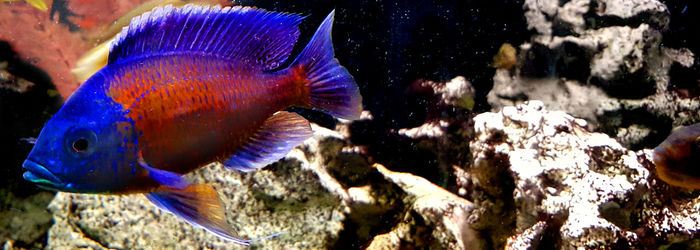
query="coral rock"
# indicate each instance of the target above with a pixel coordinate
(445, 213)
(602, 61)
(575, 188)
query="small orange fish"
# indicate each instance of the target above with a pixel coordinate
(677, 158)
(506, 58)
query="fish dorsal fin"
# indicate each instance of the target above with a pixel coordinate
(278, 135)
(247, 35)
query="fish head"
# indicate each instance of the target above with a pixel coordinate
(87, 147)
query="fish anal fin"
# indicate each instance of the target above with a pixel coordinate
(252, 36)
(278, 135)
(199, 205)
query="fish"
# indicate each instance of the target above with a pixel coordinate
(184, 87)
(677, 158)
(506, 58)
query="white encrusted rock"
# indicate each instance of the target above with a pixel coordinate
(448, 216)
(602, 61)
(562, 173)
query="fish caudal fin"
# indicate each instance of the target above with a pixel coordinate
(332, 88)
(200, 206)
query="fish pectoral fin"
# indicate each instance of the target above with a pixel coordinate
(164, 177)
(199, 205)
(278, 135)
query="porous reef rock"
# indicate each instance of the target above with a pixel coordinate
(444, 216)
(571, 188)
(24, 220)
(602, 61)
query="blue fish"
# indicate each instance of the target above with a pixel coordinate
(184, 87)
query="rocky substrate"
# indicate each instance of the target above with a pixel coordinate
(538, 179)
(605, 61)
(572, 188)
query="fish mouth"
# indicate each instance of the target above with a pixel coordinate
(40, 175)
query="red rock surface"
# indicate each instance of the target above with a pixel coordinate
(43, 42)
(51, 45)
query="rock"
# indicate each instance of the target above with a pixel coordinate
(295, 196)
(447, 217)
(457, 92)
(307, 216)
(447, 127)
(440, 98)
(54, 40)
(24, 220)
(580, 100)
(573, 188)
(553, 17)
(26, 102)
(12, 82)
(528, 238)
(602, 61)
(562, 174)
(429, 215)
(39, 35)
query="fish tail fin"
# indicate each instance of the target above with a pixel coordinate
(331, 87)
(200, 206)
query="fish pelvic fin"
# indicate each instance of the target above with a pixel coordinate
(331, 87)
(164, 177)
(200, 206)
(278, 135)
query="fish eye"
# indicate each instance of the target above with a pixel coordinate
(80, 145)
(80, 141)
